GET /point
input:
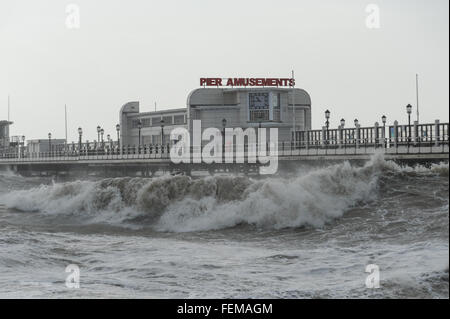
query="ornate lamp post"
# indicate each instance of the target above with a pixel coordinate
(162, 132)
(409, 110)
(327, 124)
(118, 135)
(139, 125)
(80, 135)
(23, 145)
(49, 142)
(102, 132)
(383, 119)
(356, 129)
(98, 132)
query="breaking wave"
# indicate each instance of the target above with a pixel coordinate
(310, 197)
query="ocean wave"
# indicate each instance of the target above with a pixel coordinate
(309, 197)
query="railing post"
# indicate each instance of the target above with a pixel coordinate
(438, 133)
(340, 136)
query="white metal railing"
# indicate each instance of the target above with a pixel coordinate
(284, 149)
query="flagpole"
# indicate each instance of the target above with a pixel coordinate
(65, 120)
(417, 96)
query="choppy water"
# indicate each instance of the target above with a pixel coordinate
(309, 233)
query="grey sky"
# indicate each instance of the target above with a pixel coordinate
(157, 51)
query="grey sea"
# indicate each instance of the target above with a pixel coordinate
(305, 233)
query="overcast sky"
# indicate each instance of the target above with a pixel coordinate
(157, 51)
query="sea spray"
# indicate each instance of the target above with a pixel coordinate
(310, 196)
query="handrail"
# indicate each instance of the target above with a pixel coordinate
(298, 148)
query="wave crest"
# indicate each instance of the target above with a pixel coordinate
(309, 197)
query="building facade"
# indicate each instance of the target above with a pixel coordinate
(287, 109)
(45, 145)
(4, 135)
(151, 127)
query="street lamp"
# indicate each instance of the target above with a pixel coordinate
(327, 123)
(162, 132)
(342, 130)
(80, 134)
(224, 124)
(118, 135)
(355, 136)
(23, 143)
(139, 125)
(409, 110)
(49, 142)
(342, 123)
(102, 132)
(383, 119)
(98, 132)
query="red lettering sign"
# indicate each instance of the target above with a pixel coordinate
(239, 82)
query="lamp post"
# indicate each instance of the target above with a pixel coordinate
(342, 130)
(224, 124)
(80, 134)
(355, 136)
(118, 135)
(23, 144)
(49, 142)
(162, 132)
(108, 138)
(102, 132)
(139, 125)
(383, 119)
(327, 124)
(98, 133)
(409, 110)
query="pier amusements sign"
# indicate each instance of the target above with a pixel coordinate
(244, 82)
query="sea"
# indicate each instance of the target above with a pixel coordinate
(370, 230)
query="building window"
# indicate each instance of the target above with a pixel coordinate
(156, 121)
(146, 122)
(276, 107)
(259, 107)
(168, 120)
(178, 119)
(134, 123)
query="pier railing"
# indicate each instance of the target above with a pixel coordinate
(401, 139)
